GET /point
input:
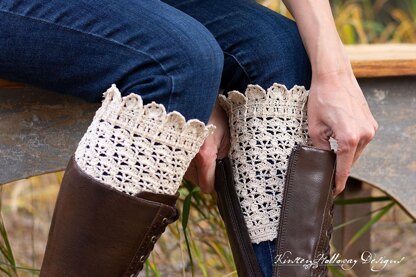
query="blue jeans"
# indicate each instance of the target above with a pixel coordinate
(265, 252)
(177, 52)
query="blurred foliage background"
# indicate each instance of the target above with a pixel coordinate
(196, 245)
(369, 21)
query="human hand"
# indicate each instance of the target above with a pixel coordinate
(337, 108)
(336, 105)
(201, 171)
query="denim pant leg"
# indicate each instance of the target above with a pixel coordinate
(265, 252)
(260, 47)
(81, 47)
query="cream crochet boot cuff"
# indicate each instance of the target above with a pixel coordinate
(264, 126)
(134, 147)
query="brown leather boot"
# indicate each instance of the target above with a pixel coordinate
(305, 224)
(99, 231)
(230, 210)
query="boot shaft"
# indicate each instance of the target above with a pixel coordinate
(97, 230)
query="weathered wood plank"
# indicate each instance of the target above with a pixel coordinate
(39, 131)
(383, 68)
(377, 52)
(389, 161)
(380, 60)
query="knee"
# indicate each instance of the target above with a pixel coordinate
(181, 67)
(199, 64)
(201, 54)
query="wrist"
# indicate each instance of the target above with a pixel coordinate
(333, 73)
(329, 56)
(332, 63)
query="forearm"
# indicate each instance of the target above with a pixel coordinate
(336, 105)
(320, 37)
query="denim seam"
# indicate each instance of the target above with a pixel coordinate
(240, 64)
(95, 36)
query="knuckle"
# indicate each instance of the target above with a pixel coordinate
(351, 138)
(343, 173)
(206, 154)
(369, 134)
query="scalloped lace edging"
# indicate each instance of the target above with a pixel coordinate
(151, 119)
(264, 127)
(134, 147)
(257, 100)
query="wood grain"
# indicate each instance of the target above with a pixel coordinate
(382, 60)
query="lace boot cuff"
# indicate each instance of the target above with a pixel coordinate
(134, 147)
(264, 127)
(256, 102)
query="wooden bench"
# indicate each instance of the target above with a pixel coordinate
(39, 130)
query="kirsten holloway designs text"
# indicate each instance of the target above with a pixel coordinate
(367, 257)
